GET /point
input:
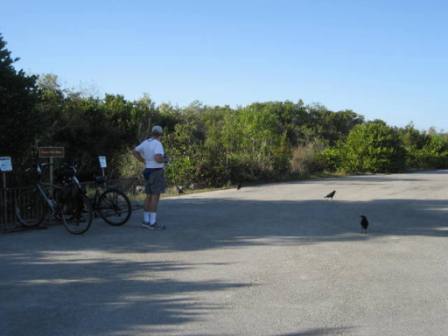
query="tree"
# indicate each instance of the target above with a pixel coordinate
(413, 140)
(50, 107)
(373, 147)
(20, 120)
(434, 154)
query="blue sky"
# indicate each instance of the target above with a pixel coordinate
(383, 59)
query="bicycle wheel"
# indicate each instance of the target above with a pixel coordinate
(30, 208)
(76, 214)
(114, 207)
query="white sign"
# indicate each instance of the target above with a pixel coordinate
(103, 161)
(5, 164)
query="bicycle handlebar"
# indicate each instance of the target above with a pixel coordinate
(40, 166)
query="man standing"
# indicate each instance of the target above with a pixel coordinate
(151, 153)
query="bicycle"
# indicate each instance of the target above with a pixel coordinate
(112, 205)
(67, 203)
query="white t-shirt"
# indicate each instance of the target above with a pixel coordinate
(148, 149)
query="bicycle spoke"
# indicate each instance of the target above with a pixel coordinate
(114, 207)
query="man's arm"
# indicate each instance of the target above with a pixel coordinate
(138, 156)
(159, 158)
(159, 153)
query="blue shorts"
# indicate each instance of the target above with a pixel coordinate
(154, 180)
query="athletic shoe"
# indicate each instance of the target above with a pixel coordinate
(157, 226)
(154, 226)
(148, 226)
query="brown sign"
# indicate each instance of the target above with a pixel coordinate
(51, 152)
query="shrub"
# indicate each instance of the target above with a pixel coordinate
(307, 159)
(373, 147)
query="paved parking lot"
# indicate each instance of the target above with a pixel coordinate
(274, 260)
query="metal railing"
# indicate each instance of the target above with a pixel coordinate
(8, 199)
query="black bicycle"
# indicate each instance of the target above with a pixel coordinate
(67, 202)
(111, 204)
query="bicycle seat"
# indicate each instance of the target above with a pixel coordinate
(100, 179)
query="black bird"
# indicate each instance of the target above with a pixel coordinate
(180, 189)
(331, 195)
(364, 223)
(239, 186)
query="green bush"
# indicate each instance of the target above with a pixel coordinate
(434, 154)
(208, 145)
(331, 159)
(127, 165)
(373, 147)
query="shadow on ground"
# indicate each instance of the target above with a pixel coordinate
(45, 285)
(217, 223)
(43, 296)
(320, 332)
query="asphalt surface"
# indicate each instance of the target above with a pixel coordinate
(274, 260)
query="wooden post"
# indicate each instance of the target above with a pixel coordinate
(51, 153)
(5, 203)
(51, 177)
(5, 166)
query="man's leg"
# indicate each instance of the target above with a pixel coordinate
(146, 209)
(152, 207)
(147, 205)
(154, 186)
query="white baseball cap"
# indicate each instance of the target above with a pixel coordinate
(157, 129)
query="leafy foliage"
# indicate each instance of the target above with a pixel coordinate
(208, 145)
(20, 120)
(373, 147)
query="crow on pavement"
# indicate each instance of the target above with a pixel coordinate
(364, 223)
(331, 195)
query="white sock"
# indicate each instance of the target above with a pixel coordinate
(152, 218)
(146, 216)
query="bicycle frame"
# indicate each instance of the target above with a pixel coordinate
(49, 201)
(74, 210)
(96, 196)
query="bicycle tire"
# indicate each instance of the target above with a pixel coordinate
(76, 214)
(30, 208)
(114, 207)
